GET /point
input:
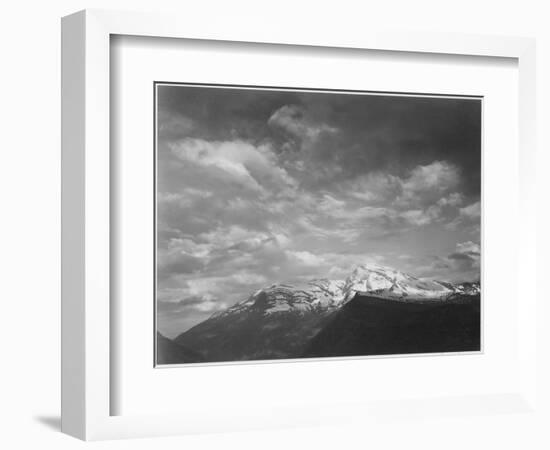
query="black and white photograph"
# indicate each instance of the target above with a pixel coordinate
(302, 223)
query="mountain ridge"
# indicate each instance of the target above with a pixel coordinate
(281, 320)
(372, 279)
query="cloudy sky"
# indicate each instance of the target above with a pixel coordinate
(256, 187)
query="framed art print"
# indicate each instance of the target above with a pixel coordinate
(296, 223)
(265, 229)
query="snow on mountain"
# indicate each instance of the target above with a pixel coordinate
(316, 295)
(324, 295)
(467, 288)
(390, 283)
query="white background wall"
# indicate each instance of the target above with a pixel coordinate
(29, 225)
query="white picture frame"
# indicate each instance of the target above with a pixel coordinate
(86, 283)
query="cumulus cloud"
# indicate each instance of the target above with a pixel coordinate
(375, 187)
(427, 183)
(466, 257)
(248, 165)
(174, 125)
(437, 176)
(468, 219)
(472, 211)
(454, 199)
(417, 217)
(305, 258)
(293, 120)
(469, 248)
(424, 196)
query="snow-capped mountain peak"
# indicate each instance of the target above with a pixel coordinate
(325, 295)
(380, 280)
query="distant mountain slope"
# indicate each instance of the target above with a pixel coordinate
(279, 321)
(376, 326)
(256, 331)
(168, 352)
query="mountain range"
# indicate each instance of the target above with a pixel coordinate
(375, 310)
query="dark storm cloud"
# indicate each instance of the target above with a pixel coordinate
(171, 307)
(376, 132)
(258, 186)
(222, 113)
(179, 264)
(463, 264)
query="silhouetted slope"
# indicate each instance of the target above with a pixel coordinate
(168, 352)
(375, 326)
(254, 335)
(375, 310)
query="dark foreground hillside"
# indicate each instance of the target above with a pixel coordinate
(253, 335)
(168, 352)
(363, 326)
(375, 326)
